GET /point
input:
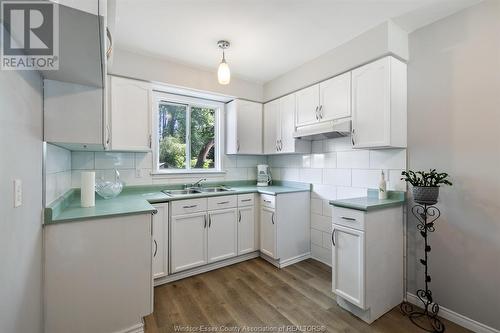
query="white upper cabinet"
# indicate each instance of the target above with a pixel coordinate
(335, 98)
(279, 125)
(243, 127)
(307, 105)
(130, 114)
(379, 104)
(271, 127)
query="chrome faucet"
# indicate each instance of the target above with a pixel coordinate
(197, 183)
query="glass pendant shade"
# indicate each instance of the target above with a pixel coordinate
(224, 73)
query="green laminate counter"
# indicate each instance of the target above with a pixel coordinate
(371, 201)
(139, 200)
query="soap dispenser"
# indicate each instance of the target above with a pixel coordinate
(382, 187)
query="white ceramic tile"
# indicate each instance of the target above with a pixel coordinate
(290, 174)
(327, 192)
(317, 161)
(327, 240)
(250, 161)
(394, 181)
(252, 173)
(321, 222)
(311, 175)
(337, 177)
(337, 144)
(330, 160)
(229, 161)
(143, 161)
(58, 159)
(327, 208)
(50, 188)
(236, 173)
(317, 146)
(276, 173)
(316, 206)
(317, 237)
(129, 177)
(285, 161)
(366, 178)
(350, 192)
(356, 159)
(306, 161)
(321, 254)
(388, 159)
(105, 160)
(82, 160)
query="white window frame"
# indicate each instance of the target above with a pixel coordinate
(159, 97)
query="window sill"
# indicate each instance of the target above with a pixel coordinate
(187, 173)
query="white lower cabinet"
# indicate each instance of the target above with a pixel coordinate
(222, 234)
(160, 241)
(188, 241)
(268, 232)
(246, 230)
(367, 260)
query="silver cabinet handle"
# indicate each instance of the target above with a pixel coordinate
(268, 201)
(317, 117)
(333, 237)
(239, 216)
(156, 248)
(246, 200)
(348, 218)
(223, 202)
(110, 47)
(320, 112)
(272, 218)
(277, 146)
(238, 145)
(352, 137)
(209, 220)
(205, 219)
(281, 144)
(192, 206)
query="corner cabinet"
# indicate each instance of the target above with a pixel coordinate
(243, 127)
(160, 241)
(379, 104)
(279, 126)
(367, 260)
(130, 114)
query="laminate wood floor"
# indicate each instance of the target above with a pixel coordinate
(255, 294)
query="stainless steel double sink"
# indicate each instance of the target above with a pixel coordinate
(196, 190)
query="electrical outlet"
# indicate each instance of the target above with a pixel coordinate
(18, 193)
(138, 173)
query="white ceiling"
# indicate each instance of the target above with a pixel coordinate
(268, 37)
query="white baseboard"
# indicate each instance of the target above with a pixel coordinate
(329, 264)
(138, 328)
(294, 260)
(206, 268)
(457, 318)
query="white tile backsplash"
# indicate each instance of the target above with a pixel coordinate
(337, 177)
(355, 159)
(83, 160)
(388, 159)
(366, 178)
(57, 172)
(106, 160)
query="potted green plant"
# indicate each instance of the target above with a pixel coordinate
(426, 184)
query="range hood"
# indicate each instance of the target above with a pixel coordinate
(325, 130)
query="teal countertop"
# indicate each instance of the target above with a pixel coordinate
(371, 201)
(138, 200)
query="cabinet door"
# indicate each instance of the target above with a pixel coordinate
(188, 241)
(307, 104)
(160, 238)
(246, 230)
(249, 124)
(335, 98)
(287, 120)
(371, 104)
(130, 114)
(222, 234)
(271, 123)
(348, 263)
(268, 232)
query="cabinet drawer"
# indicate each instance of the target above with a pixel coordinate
(349, 217)
(182, 207)
(267, 201)
(246, 200)
(226, 201)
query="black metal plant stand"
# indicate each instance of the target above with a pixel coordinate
(427, 319)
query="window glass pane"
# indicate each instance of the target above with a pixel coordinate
(172, 136)
(202, 138)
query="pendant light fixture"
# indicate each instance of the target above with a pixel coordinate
(223, 73)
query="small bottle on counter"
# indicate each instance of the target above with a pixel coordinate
(382, 187)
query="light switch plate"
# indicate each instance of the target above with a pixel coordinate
(18, 193)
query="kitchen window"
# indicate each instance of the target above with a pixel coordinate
(187, 132)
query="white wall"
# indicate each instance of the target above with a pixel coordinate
(21, 228)
(384, 39)
(143, 67)
(57, 173)
(337, 171)
(104, 163)
(454, 126)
